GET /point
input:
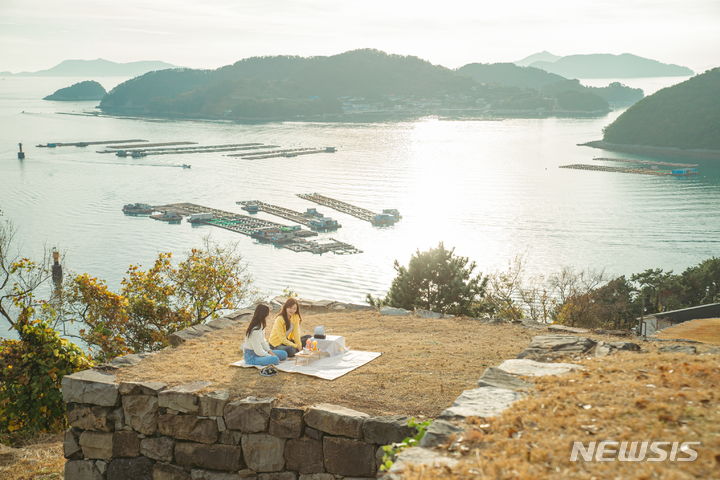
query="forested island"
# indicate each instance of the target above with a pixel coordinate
(363, 85)
(87, 90)
(685, 116)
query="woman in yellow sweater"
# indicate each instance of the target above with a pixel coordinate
(285, 334)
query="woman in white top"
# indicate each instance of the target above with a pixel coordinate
(256, 349)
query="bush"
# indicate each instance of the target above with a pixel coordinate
(31, 370)
(154, 303)
(436, 280)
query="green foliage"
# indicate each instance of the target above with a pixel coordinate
(619, 302)
(87, 90)
(390, 452)
(31, 370)
(436, 280)
(611, 305)
(154, 303)
(686, 115)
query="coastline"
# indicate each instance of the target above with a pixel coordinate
(365, 117)
(667, 152)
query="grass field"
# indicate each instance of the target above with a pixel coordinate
(706, 330)
(623, 397)
(445, 356)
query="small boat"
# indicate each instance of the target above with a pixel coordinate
(170, 217)
(185, 165)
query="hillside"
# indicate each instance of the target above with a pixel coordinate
(360, 84)
(98, 68)
(549, 84)
(686, 115)
(87, 90)
(510, 75)
(605, 65)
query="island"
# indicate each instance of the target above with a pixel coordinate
(679, 121)
(87, 90)
(359, 85)
(603, 65)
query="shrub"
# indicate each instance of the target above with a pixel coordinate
(31, 370)
(154, 303)
(436, 280)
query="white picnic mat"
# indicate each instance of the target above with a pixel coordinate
(328, 368)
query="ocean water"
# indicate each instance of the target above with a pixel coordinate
(491, 189)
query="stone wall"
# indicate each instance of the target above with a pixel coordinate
(144, 430)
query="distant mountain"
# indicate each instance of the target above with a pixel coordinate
(99, 68)
(686, 116)
(605, 65)
(550, 84)
(543, 56)
(87, 90)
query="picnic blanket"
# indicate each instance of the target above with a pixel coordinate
(328, 368)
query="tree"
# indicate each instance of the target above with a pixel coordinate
(154, 303)
(31, 367)
(436, 280)
(656, 287)
(20, 278)
(503, 290)
(701, 284)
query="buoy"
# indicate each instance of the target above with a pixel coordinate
(21, 154)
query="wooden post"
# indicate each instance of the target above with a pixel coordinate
(57, 273)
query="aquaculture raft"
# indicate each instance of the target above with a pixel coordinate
(312, 218)
(641, 171)
(386, 218)
(282, 236)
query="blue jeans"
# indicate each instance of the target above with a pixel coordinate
(252, 359)
(291, 351)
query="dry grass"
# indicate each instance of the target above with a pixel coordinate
(703, 330)
(624, 397)
(443, 356)
(41, 459)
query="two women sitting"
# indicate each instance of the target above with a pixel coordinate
(285, 336)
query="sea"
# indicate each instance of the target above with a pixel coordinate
(490, 189)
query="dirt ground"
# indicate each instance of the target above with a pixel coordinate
(41, 459)
(425, 363)
(705, 330)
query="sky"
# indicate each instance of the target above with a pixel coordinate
(38, 34)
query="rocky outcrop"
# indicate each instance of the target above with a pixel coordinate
(551, 347)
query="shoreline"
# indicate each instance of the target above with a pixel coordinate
(369, 117)
(665, 152)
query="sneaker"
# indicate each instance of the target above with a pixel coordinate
(268, 371)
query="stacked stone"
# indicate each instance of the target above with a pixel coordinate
(146, 431)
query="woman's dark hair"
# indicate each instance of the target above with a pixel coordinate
(258, 320)
(289, 303)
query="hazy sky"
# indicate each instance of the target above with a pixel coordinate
(37, 34)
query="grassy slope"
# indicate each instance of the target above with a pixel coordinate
(624, 397)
